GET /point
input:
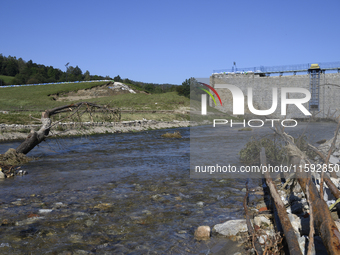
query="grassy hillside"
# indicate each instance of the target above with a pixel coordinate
(7, 79)
(36, 99)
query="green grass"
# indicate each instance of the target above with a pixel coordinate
(7, 79)
(36, 99)
(141, 101)
(22, 118)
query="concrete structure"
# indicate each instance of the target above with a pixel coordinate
(329, 92)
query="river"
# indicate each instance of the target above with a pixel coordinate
(128, 193)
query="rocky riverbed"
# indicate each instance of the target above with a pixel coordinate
(297, 207)
(17, 132)
(83, 200)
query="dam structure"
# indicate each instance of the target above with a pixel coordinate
(321, 79)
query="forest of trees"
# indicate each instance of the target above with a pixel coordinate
(31, 73)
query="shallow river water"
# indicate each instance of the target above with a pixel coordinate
(121, 194)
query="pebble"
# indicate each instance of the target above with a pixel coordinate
(202, 233)
(76, 238)
(80, 252)
(81, 214)
(156, 197)
(22, 172)
(200, 204)
(262, 239)
(261, 205)
(89, 223)
(28, 221)
(58, 205)
(104, 206)
(18, 202)
(45, 210)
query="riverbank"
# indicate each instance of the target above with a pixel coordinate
(19, 132)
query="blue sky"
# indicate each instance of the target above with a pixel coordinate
(169, 41)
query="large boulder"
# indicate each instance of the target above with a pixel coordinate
(231, 228)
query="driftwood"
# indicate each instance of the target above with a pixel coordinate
(36, 137)
(292, 242)
(323, 157)
(334, 190)
(251, 232)
(328, 157)
(329, 233)
(311, 226)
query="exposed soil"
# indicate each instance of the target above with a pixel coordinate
(109, 89)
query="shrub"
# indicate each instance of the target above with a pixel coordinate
(176, 134)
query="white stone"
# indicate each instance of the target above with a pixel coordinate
(45, 210)
(262, 239)
(261, 220)
(201, 204)
(333, 160)
(295, 221)
(336, 153)
(335, 181)
(28, 221)
(231, 227)
(302, 243)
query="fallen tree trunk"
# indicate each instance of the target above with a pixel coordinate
(290, 236)
(329, 233)
(36, 137)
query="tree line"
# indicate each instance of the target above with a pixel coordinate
(28, 72)
(32, 73)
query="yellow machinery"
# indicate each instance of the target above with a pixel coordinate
(314, 66)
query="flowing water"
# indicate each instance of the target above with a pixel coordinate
(121, 194)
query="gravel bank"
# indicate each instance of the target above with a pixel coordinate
(19, 132)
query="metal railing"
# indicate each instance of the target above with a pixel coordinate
(280, 69)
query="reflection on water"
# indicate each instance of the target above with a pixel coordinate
(127, 193)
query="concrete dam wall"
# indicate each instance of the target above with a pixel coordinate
(262, 87)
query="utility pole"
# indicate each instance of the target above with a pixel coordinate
(67, 70)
